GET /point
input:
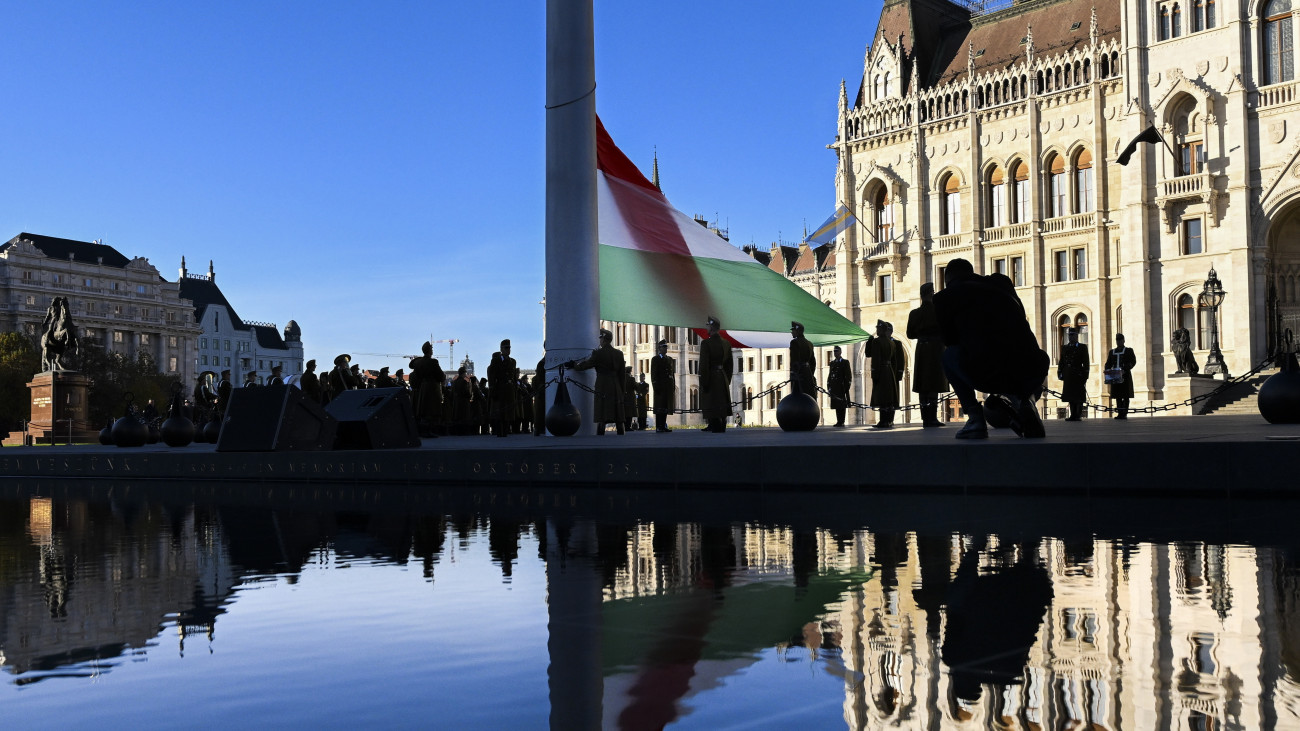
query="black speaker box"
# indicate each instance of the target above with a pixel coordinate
(275, 419)
(374, 418)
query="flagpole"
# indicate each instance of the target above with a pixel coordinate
(572, 268)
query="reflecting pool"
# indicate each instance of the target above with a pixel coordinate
(517, 609)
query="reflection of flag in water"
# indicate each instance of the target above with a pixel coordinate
(837, 224)
(659, 267)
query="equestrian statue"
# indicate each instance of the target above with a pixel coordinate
(58, 336)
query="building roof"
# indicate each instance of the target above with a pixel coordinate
(85, 251)
(937, 36)
(269, 337)
(203, 292)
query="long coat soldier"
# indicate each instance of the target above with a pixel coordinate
(503, 384)
(610, 371)
(1124, 359)
(803, 361)
(1072, 369)
(888, 361)
(629, 399)
(838, 382)
(663, 377)
(426, 386)
(927, 372)
(715, 379)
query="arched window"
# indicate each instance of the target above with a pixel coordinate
(888, 78)
(1187, 317)
(1279, 43)
(749, 398)
(695, 398)
(1209, 13)
(1083, 187)
(879, 89)
(1081, 324)
(1176, 20)
(1057, 190)
(1063, 324)
(951, 205)
(1020, 194)
(997, 198)
(1164, 23)
(1198, 15)
(1189, 138)
(884, 215)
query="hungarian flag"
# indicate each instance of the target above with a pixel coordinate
(659, 267)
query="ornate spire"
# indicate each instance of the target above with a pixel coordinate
(1092, 26)
(183, 270)
(654, 175)
(1029, 44)
(212, 275)
(970, 62)
(844, 97)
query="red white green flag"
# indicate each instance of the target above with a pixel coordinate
(659, 267)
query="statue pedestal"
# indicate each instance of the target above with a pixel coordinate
(1179, 388)
(57, 398)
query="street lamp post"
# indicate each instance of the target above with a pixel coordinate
(1212, 296)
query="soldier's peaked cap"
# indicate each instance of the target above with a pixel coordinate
(505, 343)
(713, 321)
(886, 325)
(342, 358)
(796, 323)
(606, 334)
(662, 342)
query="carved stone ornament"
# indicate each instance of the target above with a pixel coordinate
(1295, 171)
(1277, 131)
(1153, 79)
(1202, 68)
(1222, 62)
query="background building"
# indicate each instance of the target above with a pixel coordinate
(227, 341)
(120, 304)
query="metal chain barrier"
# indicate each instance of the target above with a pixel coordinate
(1269, 361)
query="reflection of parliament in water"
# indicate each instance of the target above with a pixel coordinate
(1132, 635)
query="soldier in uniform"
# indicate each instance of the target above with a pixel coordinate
(340, 379)
(642, 402)
(399, 379)
(927, 372)
(276, 379)
(838, 382)
(223, 394)
(383, 380)
(426, 387)
(1121, 391)
(803, 362)
(888, 361)
(358, 378)
(1072, 369)
(629, 399)
(663, 376)
(715, 378)
(503, 382)
(610, 375)
(310, 383)
(539, 399)
(250, 379)
(204, 398)
(462, 398)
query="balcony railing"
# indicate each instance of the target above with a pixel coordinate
(1010, 232)
(950, 241)
(1272, 96)
(1185, 186)
(1066, 224)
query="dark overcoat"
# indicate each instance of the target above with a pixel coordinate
(838, 382)
(927, 368)
(663, 376)
(1072, 369)
(611, 372)
(888, 361)
(426, 387)
(803, 365)
(503, 386)
(1122, 358)
(715, 377)
(999, 352)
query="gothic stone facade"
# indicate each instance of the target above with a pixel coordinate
(994, 137)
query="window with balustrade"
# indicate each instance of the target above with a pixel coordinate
(951, 204)
(884, 215)
(1058, 193)
(1279, 42)
(1084, 194)
(997, 198)
(1020, 193)
(1189, 137)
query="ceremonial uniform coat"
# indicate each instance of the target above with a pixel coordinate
(642, 401)
(310, 385)
(223, 396)
(426, 386)
(1073, 372)
(803, 365)
(629, 397)
(888, 361)
(462, 393)
(1122, 358)
(539, 398)
(611, 372)
(927, 371)
(838, 382)
(715, 377)
(503, 385)
(663, 376)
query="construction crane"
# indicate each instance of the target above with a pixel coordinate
(451, 352)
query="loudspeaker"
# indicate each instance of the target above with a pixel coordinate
(275, 419)
(374, 418)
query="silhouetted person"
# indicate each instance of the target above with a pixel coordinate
(1124, 359)
(310, 383)
(275, 378)
(642, 401)
(663, 377)
(204, 398)
(888, 361)
(358, 378)
(803, 361)
(426, 387)
(340, 377)
(503, 384)
(224, 387)
(462, 397)
(715, 378)
(990, 347)
(838, 382)
(928, 380)
(383, 380)
(399, 379)
(150, 412)
(539, 399)
(250, 379)
(629, 399)
(610, 376)
(1072, 369)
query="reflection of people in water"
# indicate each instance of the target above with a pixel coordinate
(988, 634)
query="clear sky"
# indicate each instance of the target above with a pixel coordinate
(374, 170)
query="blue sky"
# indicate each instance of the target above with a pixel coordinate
(375, 170)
